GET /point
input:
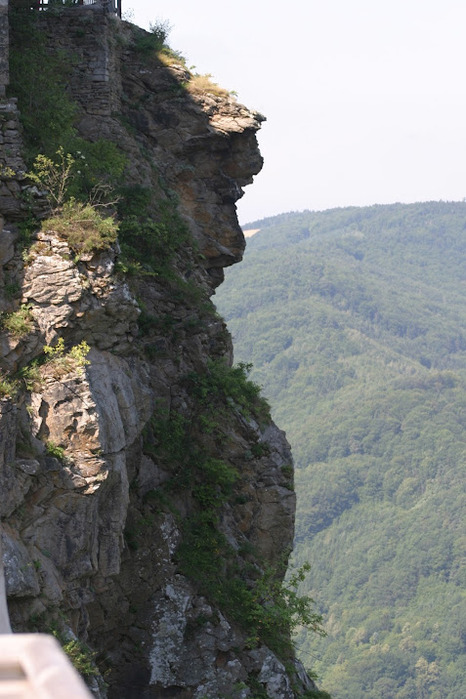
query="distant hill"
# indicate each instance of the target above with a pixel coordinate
(355, 321)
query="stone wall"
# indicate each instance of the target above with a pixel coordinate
(4, 41)
(12, 167)
(92, 33)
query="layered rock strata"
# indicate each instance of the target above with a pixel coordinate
(107, 458)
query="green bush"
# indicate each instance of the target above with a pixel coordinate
(277, 609)
(221, 382)
(153, 42)
(18, 324)
(89, 174)
(39, 79)
(12, 289)
(215, 482)
(55, 362)
(54, 450)
(97, 171)
(258, 689)
(83, 227)
(31, 376)
(58, 362)
(261, 603)
(150, 232)
(218, 473)
(135, 199)
(268, 609)
(168, 437)
(8, 387)
(53, 175)
(82, 657)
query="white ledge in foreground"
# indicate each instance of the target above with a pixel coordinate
(33, 666)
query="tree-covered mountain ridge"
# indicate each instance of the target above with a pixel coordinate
(355, 322)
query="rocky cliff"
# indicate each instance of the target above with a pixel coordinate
(147, 499)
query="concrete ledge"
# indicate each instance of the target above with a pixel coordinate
(33, 666)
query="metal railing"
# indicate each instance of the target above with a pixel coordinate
(33, 665)
(4, 617)
(113, 6)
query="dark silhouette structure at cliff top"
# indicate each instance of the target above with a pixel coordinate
(109, 5)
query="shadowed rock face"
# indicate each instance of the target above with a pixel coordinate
(97, 498)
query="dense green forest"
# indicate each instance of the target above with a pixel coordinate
(355, 321)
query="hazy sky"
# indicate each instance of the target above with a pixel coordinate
(365, 99)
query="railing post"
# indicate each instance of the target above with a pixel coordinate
(4, 616)
(113, 6)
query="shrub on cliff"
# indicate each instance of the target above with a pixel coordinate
(19, 323)
(39, 78)
(83, 227)
(150, 231)
(155, 40)
(204, 85)
(89, 174)
(53, 175)
(61, 362)
(221, 382)
(8, 386)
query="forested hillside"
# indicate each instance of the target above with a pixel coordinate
(355, 321)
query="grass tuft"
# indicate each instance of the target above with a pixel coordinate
(83, 227)
(204, 85)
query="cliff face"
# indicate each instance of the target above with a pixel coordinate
(145, 490)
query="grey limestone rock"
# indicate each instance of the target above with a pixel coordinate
(97, 494)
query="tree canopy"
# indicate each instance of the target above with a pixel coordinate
(355, 322)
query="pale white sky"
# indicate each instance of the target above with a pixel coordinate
(365, 99)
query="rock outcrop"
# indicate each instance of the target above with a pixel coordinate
(141, 489)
